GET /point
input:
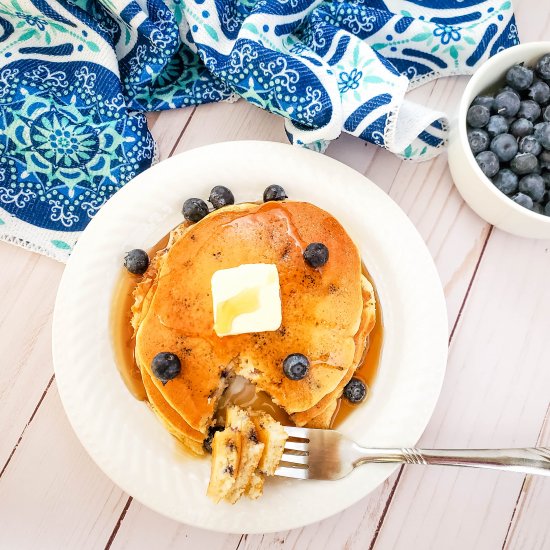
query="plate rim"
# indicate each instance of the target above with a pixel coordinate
(232, 148)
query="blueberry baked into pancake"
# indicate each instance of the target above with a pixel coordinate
(268, 296)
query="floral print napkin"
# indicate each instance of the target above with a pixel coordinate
(76, 77)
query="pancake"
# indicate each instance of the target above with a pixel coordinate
(368, 319)
(226, 453)
(322, 308)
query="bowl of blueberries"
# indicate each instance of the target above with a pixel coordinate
(499, 146)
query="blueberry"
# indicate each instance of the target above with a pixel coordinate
(543, 67)
(538, 208)
(295, 366)
(165, 366)
(194, 210)
(478, 140)
(529, 109)
(221, 196)
(521, 127)
(497, 125)
(532, 185)
(485, 100)
(524, 163)
(355, 390)
(136, 261)
(539, 92)
(207, 443)
(547, 209)
(488, 162)
(506, 181)
(316, 254)
(504, 146)
(478, 116)
(546, 178)
(519, 77)
(507, 103)
(274, 193)
(523, 200)
(529, 144)
(546, 114)
(542, 133)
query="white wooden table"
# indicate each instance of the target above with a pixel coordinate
(496, 391)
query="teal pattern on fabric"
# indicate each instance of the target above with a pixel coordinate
(76, 77)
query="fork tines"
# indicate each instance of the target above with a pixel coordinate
(294, 462)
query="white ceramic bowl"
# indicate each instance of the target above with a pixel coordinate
(476, 189)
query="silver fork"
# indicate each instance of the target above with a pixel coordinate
(327, 454)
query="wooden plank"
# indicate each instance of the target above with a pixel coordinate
(143, 528)
(495, 395)
(27, 295)
(530, 528)
(51, 494)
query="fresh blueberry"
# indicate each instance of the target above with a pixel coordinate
(546, 114)
(136, 261)
(507, 103)
(519, 77)
(295, 366)
(532, 185)
(539, 92)
(478, 116)
(194, 210)
(506, 181)
(221, 196)
(165, 366)
(543, 67)
(316, 254)
(538, 208)
(547, 209)
(497, 125)
(488, 162)
(523, 200)
(529, 109)
(521, 127)
(207, 443)
(355, 390)
(478, 140)
(542, 133)
(524, 163)
(485, 100)
(504, 146)
(529, 144)
(546, 178)
(274, 193)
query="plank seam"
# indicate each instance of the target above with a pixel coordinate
(27, 425)
(182, 132)
(118, 523)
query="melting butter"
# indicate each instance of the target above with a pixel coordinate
(246, 299)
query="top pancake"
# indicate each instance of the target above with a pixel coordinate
(321, 308)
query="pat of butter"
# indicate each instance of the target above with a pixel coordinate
(246, 299)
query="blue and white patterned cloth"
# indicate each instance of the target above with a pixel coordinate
(76, 77)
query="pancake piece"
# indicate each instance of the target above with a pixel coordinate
(251, 451)
(323, 420)
(226, 453)
(273, 436)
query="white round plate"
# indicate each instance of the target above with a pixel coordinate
(124, 437)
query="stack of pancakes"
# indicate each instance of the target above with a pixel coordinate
(327, 315)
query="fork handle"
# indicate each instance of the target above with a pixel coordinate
(535, 460)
